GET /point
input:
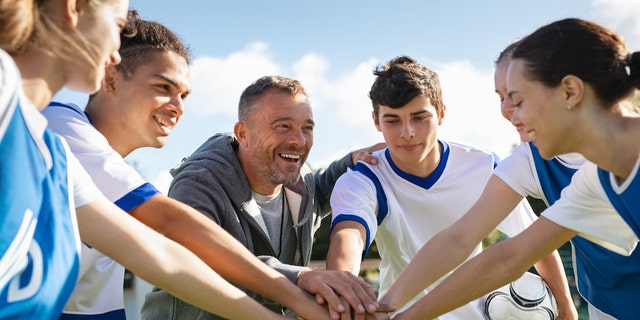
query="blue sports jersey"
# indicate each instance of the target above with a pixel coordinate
(607, 280)
(38, 241)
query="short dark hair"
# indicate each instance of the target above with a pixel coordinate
(140, 37)
(258, 88)
(401, 80)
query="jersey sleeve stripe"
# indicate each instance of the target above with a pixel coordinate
(137, 197)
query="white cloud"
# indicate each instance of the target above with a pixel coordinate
(622, 17)
(216, 83)
(162, 182)
(473, 113)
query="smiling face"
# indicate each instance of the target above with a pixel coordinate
(541, 110)
(143, 110)
(506, 105)
(411, 135)
(275, 140)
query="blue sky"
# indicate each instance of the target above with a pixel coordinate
(332, 46)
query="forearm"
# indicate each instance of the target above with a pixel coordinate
(482, 271)
(429, 265)
(550, 268)
(345, 249)
(163, 262)
(222, 252)
(500, 264)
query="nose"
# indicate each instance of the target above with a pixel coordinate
(506, 108)
(176, 106)
(407, 131)
(515, 116)
(297, 137)
(115, 57)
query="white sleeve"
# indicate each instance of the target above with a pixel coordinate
(517, 171)
(84, 190)
(107, 168)
(519, 219)
(585, 208)
(354, 198)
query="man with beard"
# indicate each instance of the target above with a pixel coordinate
(256, 185)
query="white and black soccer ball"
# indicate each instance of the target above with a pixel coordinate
(528, 298)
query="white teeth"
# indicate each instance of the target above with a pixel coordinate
(162, 122)
(290, 156)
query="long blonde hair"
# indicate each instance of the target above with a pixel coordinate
(27, 24)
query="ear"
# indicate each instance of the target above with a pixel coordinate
(71, 12)
(441, 114)
(376, 121)
(572, 89)
(110, 78)
(240, 131)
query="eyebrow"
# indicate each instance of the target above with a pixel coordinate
(511, 93)
(411, 114)
(308, 121)
(171, 81)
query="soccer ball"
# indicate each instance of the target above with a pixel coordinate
(527, 298)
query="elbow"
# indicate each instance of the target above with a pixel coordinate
(514, 261)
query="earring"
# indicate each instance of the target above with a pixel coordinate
(569, 107)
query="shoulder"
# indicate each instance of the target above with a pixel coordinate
(67, 110)
(216, 153)
(463, 152)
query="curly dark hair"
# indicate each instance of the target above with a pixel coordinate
(140, 37)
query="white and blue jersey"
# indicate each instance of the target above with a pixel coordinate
(402, 212)
(39, 241)
(99, 291)
(607, 280)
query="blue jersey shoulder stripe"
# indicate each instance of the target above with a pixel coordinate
(627, 204)
(383, 208)
(350, 217)
(137, 197)
(58, 104)
(111, 315)
(553, 175)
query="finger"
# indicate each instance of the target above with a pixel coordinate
(367, 288)
(335, 315)
(346, 315)
(385, 307)
(327, 294)
(353, 293)
(371, 159)
(359, 316)
(364, 294)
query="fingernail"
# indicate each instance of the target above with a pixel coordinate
(361, 308)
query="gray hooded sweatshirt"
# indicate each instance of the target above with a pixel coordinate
(212, 181)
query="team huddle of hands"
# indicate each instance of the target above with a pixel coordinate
(346, 295)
